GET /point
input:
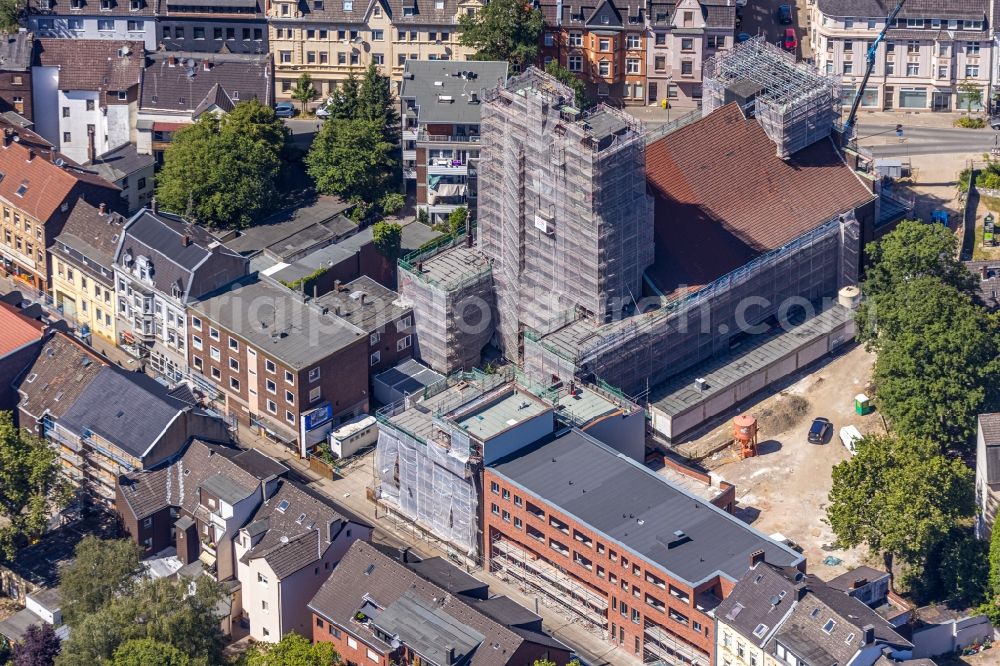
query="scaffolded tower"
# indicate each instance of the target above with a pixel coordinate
(563, 209)
(451, 289)
(794, 103)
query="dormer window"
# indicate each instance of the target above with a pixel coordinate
(408, 11)
(106, 5)
(348, 5)
(605, 19)
(176, 290)
(76, 4)
(135, 5)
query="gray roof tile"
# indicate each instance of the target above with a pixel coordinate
(62, 371)
(971, 9)
(15, 51)
(170, 88)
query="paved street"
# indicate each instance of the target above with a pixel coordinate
(922, 139)
(759, 19)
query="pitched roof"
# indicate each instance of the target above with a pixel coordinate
(295, 526)
(120, 162)
(990, 425)
(959, 9)
(18, 330)
(124, 408)
(60, 373)
(184, 255)
(722, 196)
(365, 574)
(91, 7)
(216, 98)
(760, 601)
(93, 64)
(29, 181)
(177, 483)
(15, 51)
(596, 485)
(92, 233)
(845, 581)
(189, 87)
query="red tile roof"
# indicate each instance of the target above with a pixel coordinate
(38, 186)
(18, 330)
(93, 64)
(723, 196)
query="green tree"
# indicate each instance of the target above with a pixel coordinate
(392, 203)
(31, 486)
(39, 647)
(422, 216)
(304, 91)
(991, 606)
(223, 171)
(388, 238)
(148, 652)
(937, 366)
(345, 99)
(898, 497)
(971, 92)
(163, 610)
(102, 570)
(912, 250)
(10, 15)
(352, 159)
(958, 568)
(569, 78)
(503, 30)
(457, 219)
(292, 650)
(376, 103)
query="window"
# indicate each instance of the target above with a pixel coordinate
(67, 138)
(105, 25)
(913, 46)
(65, 112)
(378, 35)
(687, 44)
(313, 374)
(576, 39)
(505, 494)
(828, 627)
(634, 41)
(289, 397)
(604, 45)
(215, 354)
(687, 68)
(234, 383)
(285, 56)
(270, 386)
(632, 66)
(216, 373)
(263, 605)
(196, 323)
(403, 343)
(848, 67)
(972, 48)
(549, 39)
(378, 58)
(315, 394)
(199, 32)
(494, 487)
(604, 68)
(660, 63)
(517, 523)
(495, 509)
(217, 33)
(234, 364)
(759, 631)
(289, 378)
(912, 68)
(290, 417)
(272, 406)
(971, 71)
(269, 365)
(198, 363)
(575, 63)
(890, 68)
(351, 643)
(348, 5)
(506, 516)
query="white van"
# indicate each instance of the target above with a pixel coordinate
(849, 435)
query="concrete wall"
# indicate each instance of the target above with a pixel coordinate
(939, 639)
(625, 433)
(518, 437)
(45, 97)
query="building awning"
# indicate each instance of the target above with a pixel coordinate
(144, 124)
(207, 558)
(169, 127)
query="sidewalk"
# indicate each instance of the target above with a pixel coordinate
(918, 117)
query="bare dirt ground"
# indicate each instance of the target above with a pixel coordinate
(8, 607)
(785, 488)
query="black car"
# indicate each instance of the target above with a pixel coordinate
(819, 430)
(784, 14)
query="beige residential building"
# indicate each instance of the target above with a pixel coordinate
(329, 39)
(932, 54)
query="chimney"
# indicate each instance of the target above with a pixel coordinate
(102, 209)
(91, 148)
(362, 298)
(869, 631)
(406, 555)
(756, 558)
(185, 240)
(984, 271)
(31, 154)
(153, 206)
(336, 285)
(206, 65)
(8, 136)
(801, 591)
(171, 61)
(468, 230)
(859, 583)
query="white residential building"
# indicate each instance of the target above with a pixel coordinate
(936, 55)
(111, 20)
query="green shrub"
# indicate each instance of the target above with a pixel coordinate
(970, 122)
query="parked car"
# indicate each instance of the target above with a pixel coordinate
(995, 122)
(742, 37)
(784, 14)
(323, 112)
(791, 42)
(284, 109)
(819, 430)
(741, 3)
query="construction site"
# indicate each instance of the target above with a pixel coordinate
(564, 215)
(433, 445)
(795, 104)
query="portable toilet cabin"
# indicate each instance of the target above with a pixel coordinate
(862, 404)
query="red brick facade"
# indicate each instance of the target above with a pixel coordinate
(325, 632)
(603, 567)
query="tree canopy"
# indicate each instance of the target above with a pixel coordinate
(31, 486)
(148, 652)
(570, 79)
(352, 159)
(10, 15)
(101, 570)
(223, 170)
(39, 647)
(304, 91)
(899, 497)
(292, 650)
(388, 238)
(503, 30)
(163, 610)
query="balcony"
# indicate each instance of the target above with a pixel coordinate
(409, 155)
(443, 167)
(410, 133)
(409, 173)
(671, 649)
(423, 136)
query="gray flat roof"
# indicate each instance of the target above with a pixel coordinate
(488, 420)
(585, 405)
(365, 303)
(679, 394)
(428, 630)
(435, 80)
(290, 233)
(630, 504)
(409, 376)
(450, 267)
(278, 322)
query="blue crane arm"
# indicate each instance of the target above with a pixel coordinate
(869, 66)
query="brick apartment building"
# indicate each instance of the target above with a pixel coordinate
(633, 556)
(381, 609)
(606, 47)
(15, 73)
(287, 367)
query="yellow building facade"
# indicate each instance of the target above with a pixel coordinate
(329, 39)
